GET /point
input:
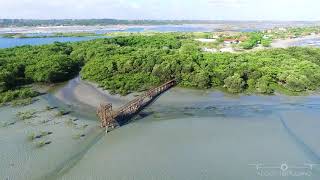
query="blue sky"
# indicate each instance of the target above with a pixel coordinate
(163, 9)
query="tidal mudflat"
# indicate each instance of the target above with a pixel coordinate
(38, 140)
(185, 134)
(192, 134)
(45, 138)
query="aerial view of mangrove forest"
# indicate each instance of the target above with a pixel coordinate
(168, 101)
(135, 63)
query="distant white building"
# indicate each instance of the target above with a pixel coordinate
(211, 50)
(206, 40)
(283, 29)
(227, 50)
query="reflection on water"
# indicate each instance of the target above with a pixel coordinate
(189, 134)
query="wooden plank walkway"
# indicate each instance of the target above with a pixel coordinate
(111, 119)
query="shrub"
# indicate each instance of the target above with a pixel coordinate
(234, 84)
(18, 94)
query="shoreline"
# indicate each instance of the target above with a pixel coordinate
(88, 93)
(80, 91)
(209, 27)
(94, 28)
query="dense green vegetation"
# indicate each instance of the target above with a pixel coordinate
(293, 69)
(253, 40)
(135, 63)
(127, 64)
(250, 40)
(293, 32)
(19, 95)
(24, 65)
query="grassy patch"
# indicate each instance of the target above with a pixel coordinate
(22, 102)
(78, 136)
(62, 113)
(26, 115)
(32, 136)
(70, 122)
(18, 96)
(6, 124)
(42, 143)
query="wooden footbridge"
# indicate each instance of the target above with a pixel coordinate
(111, 119)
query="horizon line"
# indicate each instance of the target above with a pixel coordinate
(199, 20)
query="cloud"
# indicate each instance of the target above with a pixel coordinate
(134, 5)
(227, 3)
(67, 8)
(162, 9)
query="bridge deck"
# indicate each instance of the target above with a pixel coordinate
(111, 118)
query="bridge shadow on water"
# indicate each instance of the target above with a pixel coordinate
(299, 141)
(126, 119)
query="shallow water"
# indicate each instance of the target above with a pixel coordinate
(308, 42)
(12, 42)
(180, 28)
(185, 134)
(189, 134)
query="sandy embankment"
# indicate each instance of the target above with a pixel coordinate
(80, 91)
(284, 43)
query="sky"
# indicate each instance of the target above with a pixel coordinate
(281, 10)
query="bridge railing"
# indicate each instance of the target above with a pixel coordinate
(108, 116)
